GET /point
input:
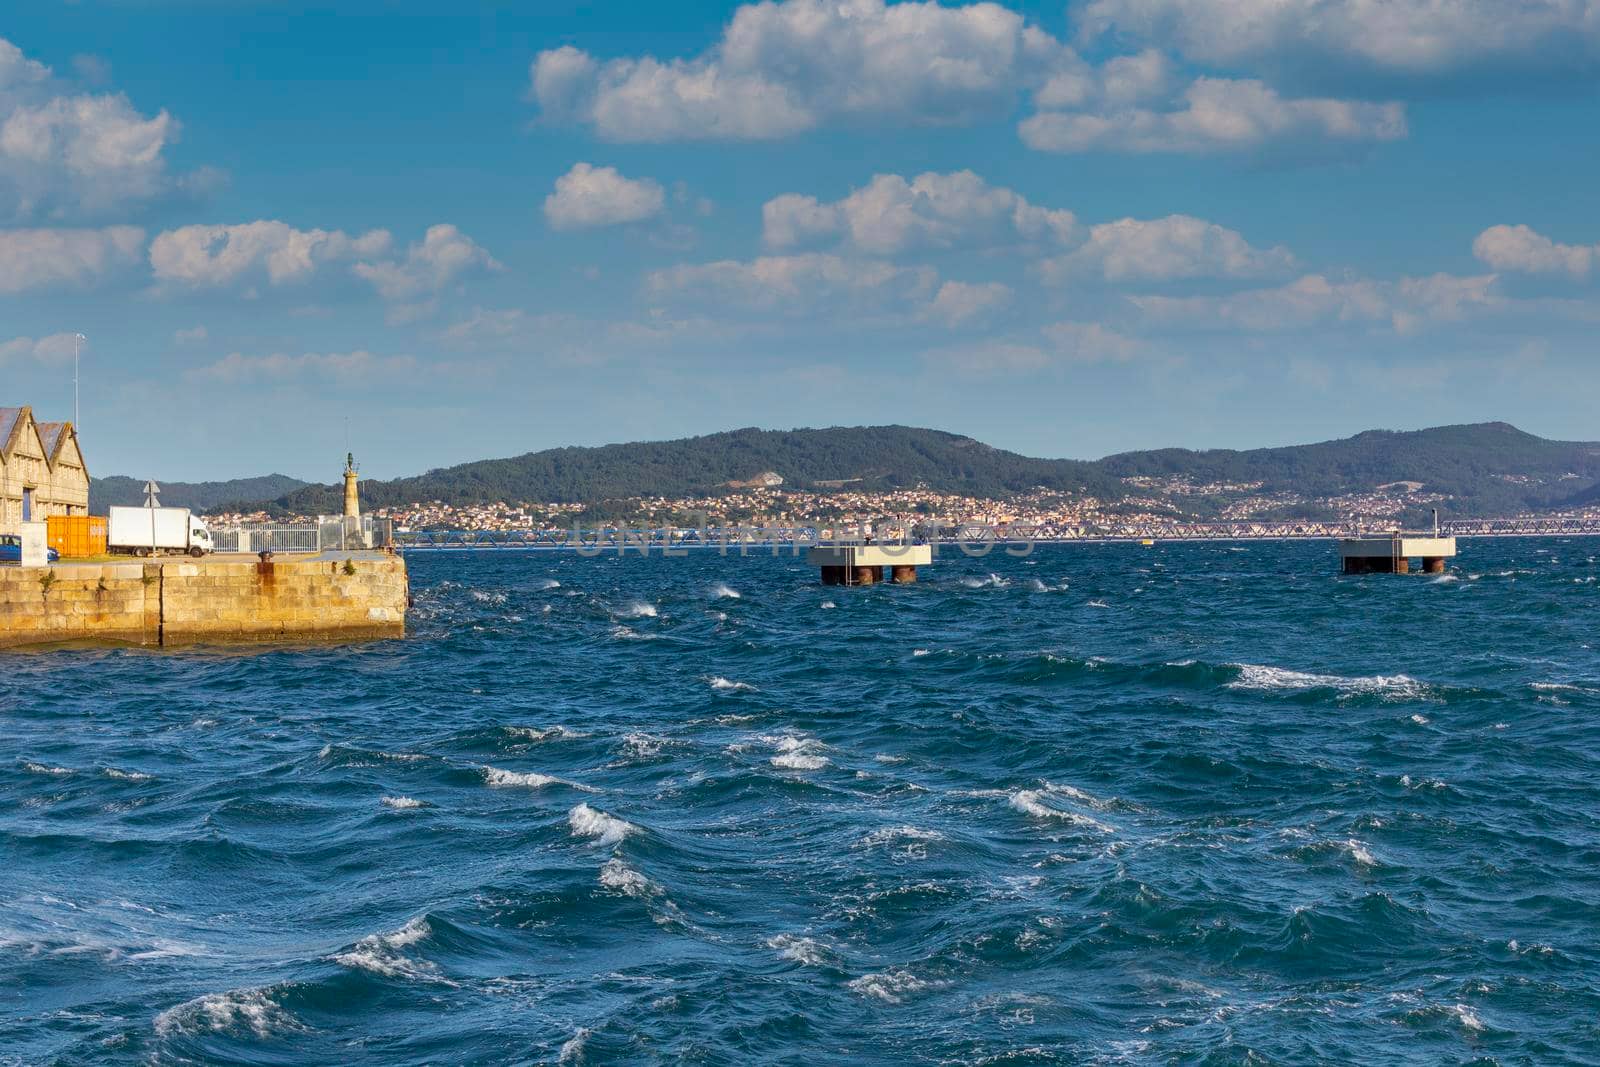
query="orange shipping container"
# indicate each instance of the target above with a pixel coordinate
(76, 536)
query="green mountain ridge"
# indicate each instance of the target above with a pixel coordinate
(1486, 468)
(198, 496)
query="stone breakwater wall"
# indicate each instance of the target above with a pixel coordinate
(210, 601)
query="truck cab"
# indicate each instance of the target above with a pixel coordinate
(199, 539)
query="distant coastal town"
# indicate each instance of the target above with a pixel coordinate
(1042, 513)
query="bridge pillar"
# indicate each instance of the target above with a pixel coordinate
(1433, 564)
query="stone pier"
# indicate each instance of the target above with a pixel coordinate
(218, 600)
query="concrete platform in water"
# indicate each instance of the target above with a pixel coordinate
(866, 564)
(1393, 553)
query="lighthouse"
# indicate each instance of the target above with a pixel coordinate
(352, 498)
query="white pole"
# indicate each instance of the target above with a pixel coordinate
(77, 350)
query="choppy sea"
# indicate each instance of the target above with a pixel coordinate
(1103, 804)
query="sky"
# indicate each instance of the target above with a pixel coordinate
(432, 233)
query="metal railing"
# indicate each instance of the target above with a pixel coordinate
(615, 539)
(325, 535)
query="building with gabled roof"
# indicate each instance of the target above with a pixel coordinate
(42, 472)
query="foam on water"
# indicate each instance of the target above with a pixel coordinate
(605, 829)
(727, 685)
(723, 591)
(1062, 835)
(1393, 686)
(252, 1010)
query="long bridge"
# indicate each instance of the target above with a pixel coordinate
(778, 538)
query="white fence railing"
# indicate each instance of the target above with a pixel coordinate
(326, 535)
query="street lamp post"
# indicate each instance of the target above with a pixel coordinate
(77, 350)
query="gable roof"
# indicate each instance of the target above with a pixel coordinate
(9, 418)
(50, 436)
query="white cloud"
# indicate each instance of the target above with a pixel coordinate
(985, 358)
(891, 214)
(797, 284)
(202, 256)
(237, 367)
(1315, 301)
(63, 152)
(1090, 342)
(1175, 247)
(1522, 249)
(599, 196)
(444, 255)
(786, 67)
(37, 258)
(1415, 38)
(486, 324)
(960, 302)
(1215, 115)
(55, 349)
(192, 336)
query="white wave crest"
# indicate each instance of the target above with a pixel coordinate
(591, 822)
(889, 835)
(498, 778)
(1390, 686)
(827, 605)
(548, 583)
(800, 754)
(572, 1048)
(380, 954)
(127, 776)
(1034, 802)
(639, 610)
(724, 591)
(402, 803)
(628, 633)
(890, 986)
(993, 581)
(42, 768)
(799, 949)
(488, 598)
(251, 1009)
(542, 733)
(1359, 852)
(619, 876)
(726, 685)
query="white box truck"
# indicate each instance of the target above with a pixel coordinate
(156, 531)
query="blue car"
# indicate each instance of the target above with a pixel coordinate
(11, 549)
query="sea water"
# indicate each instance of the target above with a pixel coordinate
(1100, 804)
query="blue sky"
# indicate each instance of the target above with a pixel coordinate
(1067, 230)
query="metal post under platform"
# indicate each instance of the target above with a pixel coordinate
(866, 564)
(1393, 553)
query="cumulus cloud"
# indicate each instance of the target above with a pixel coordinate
(204, 256)
(192, 336)
(1353, 39)
(599, 196)
(443, 256)
(1215, 115)
(268, 250)
(783, 68)
(1525, 250)
(1167, 249)
(63, 152)
(37, 258)
(797, 284)
(960, 302)
(931, 211)
(55, 349)
(1315, 300)
(236, 368)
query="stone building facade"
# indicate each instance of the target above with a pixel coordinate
(42, 472)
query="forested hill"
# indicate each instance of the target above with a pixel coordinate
(200, 496)
(868, 457)
(1488, 468)
(1485, 468)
